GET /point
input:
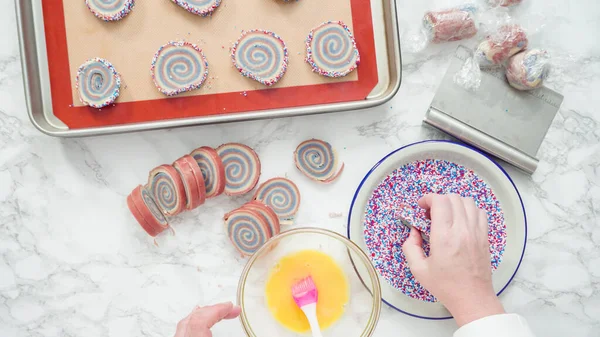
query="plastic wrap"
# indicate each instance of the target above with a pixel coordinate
(494, 51)
(469, 76)
(498, 47)
(452, 24)
(527, 70)
(504, 3)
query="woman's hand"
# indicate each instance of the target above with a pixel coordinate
(458, 270)
(202, 319)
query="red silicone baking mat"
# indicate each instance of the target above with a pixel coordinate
(73, 35)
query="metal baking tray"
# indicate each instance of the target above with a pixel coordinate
(36, 78)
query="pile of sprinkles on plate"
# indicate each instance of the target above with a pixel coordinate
(399, 193)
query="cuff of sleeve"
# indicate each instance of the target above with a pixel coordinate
(505, 325)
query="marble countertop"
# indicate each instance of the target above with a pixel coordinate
(74, 263)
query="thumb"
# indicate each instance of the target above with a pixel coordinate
(415, 256)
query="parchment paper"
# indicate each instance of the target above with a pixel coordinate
(131, 43)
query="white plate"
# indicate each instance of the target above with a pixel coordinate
(498, 180)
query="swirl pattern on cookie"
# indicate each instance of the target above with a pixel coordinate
(110, 10)
(98, 83)
(268, 213)
(247, 229)
(212, 170)
(282, 195)
(260, 55)
(331, 50)
(199, 7)
(146, 212)
(242, 168)
(167, 189)
(179, 66)
(151, 204)
(317, 160)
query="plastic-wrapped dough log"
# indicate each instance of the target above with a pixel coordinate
(504, 3)
(498, 47)
(450, 24)
(528, 69)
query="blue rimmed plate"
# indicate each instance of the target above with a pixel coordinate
(492, 173)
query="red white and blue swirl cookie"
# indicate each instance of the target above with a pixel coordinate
(212, 169)
(317, 160)
(193, 183)
(331, 50)
(268, 213)
(146, 212)
(260, 55)
(110, 10)
(247, 229)
(242, 168)
(179, 66)
(168, 190)
(98, 83)
(199, 7)
(281, 195)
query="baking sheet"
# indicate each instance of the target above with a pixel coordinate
(131, 43)
(74, 35)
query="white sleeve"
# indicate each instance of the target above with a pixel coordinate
(506, 325)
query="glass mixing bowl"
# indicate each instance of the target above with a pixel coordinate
(364, 305)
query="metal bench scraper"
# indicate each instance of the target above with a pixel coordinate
(496, 118)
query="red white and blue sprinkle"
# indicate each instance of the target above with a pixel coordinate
(397, 196)
(199, 7)
(110, 10)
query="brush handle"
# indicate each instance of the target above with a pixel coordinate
(310, 310)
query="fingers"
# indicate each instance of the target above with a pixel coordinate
(426, 201)
(440, 210)
(234, 313)
(471, 212)
(459, 215)
(482, 222)
(415, 256)
(206, 317)
(201, 319)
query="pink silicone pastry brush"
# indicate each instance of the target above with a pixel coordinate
(305, 294)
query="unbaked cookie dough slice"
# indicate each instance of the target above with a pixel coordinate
(199, 7)
(179, 66)
(110, 10)
(146, 212)
(242, 168)
(281, 195)
(331, 50)
(318, 160)
(260, 55)
(98, 83)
